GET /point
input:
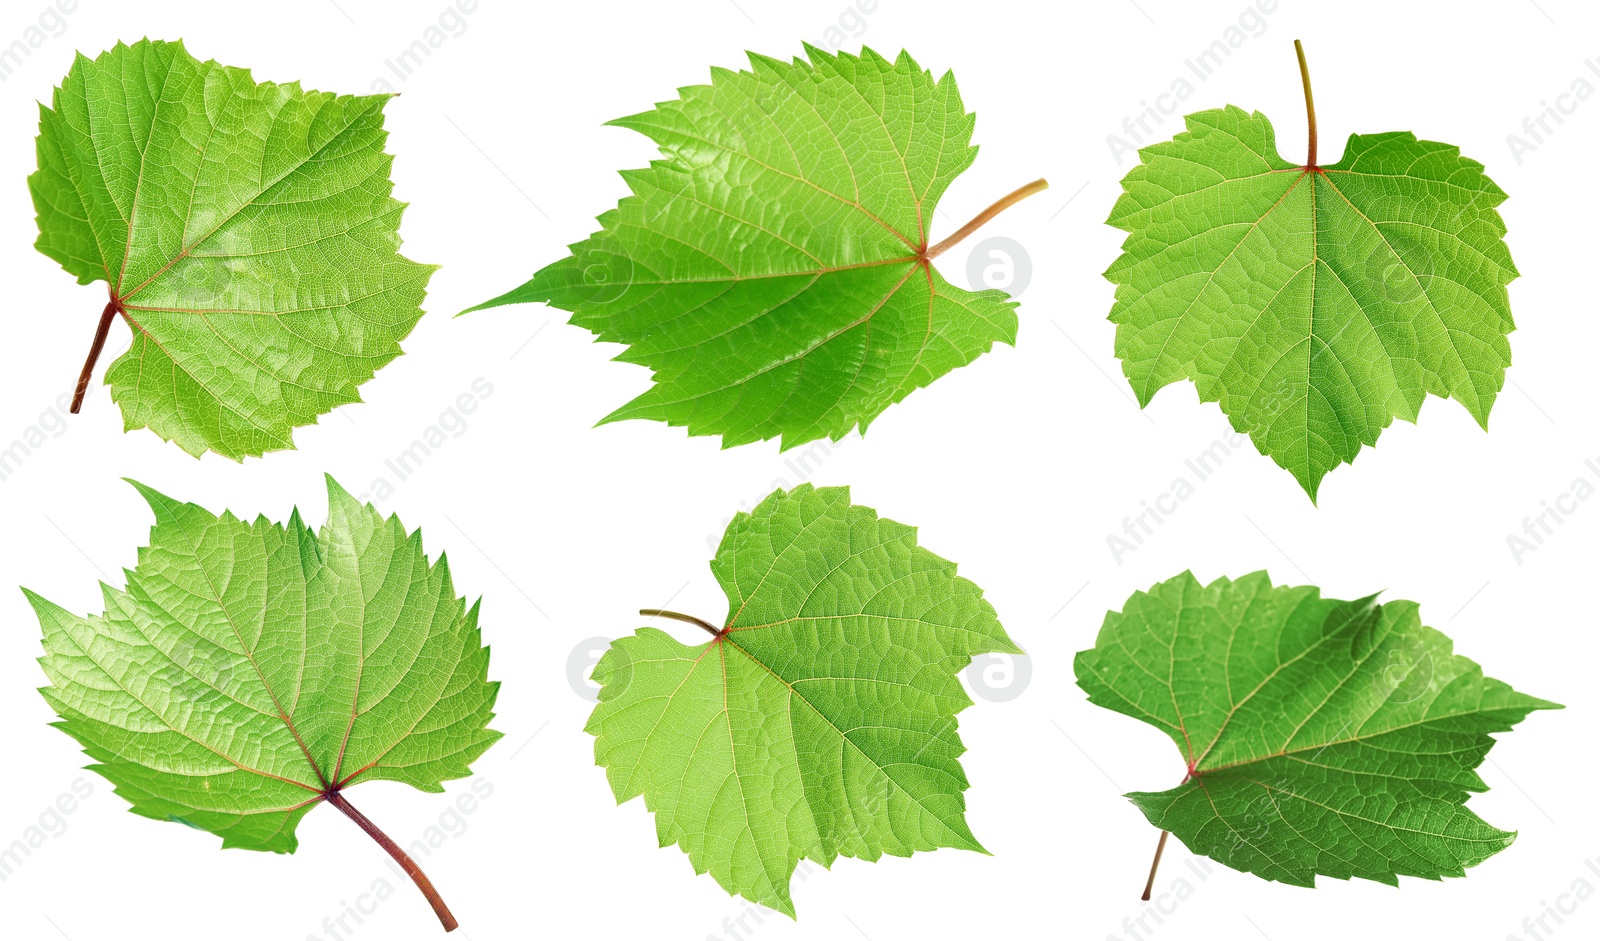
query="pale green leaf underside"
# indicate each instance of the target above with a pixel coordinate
(1322, 737)
(247, 229)
(248, 665)
(766, 269)
(1315, 308)
(823, 722)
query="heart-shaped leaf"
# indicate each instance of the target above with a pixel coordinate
(245, 232)
(1315, 304)
(1318, 736)
(774, 270)
(252, 671)
(819, 720)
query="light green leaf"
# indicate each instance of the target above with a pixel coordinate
(245, 232)
(820, 720)
(1319, 737)
(251, 671)
(1315, 304)
(774, 269)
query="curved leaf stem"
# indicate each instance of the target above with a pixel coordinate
(394, 850)
(1005, 202)
(686, 618)
(1311, 109)
(113, 307)
(1154, 865)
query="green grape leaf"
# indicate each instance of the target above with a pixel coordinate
(251, 671)
(1314, 304)
(1319, 736)
(774, 269)
(819, 721)
(246, 236)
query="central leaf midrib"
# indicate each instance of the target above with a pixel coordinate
(194, 552)
(172, 358)
(1417, 280)
(796, 694)
(1273, 674)
(733, 770)
(1352, 740)
(800, 355)
(1211, 278)
(1377, 823)
(817, 186)
(816, 275)
(849, 163)
(233, 214)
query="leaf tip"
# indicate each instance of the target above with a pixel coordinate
(337, 492)
(158, 501)
(35, 600)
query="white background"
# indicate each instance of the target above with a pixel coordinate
(1019, 467)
